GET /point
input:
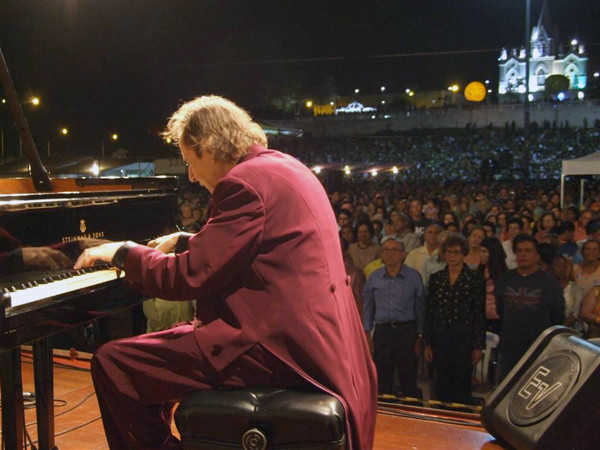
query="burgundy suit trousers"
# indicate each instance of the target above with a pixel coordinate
(138, 380)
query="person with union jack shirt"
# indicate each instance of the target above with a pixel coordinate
(528, 300)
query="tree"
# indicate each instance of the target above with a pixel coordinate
(556, 84)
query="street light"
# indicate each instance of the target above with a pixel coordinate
(63, 131)
(35, 101)
(115, 137)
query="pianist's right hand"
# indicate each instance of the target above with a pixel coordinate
(104, 252)
(44, 258)
(167, 243)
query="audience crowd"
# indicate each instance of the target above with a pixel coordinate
(454, 155)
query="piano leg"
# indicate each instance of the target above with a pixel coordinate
(44, 392)
(13, 418)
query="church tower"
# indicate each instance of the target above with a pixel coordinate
(546, 58)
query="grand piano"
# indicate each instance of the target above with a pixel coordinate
(45, 223)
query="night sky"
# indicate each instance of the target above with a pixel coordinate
(123, 66)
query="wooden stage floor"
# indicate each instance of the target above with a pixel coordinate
(78, 425)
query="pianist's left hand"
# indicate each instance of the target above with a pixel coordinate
(104, 252)
(167, 243)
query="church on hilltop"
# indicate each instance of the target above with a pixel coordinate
(546, 58)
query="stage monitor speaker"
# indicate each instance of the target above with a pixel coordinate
(551, 398)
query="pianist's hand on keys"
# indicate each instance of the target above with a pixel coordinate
(104, 252)
(167, 243)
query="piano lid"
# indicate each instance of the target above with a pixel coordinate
(39, 176)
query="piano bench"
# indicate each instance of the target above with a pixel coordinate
(261, 418)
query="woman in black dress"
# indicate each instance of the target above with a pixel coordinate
(454, 331)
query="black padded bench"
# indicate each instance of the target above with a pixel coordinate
(261, 418)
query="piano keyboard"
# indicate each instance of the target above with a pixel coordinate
(59, 284)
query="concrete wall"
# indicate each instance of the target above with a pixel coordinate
(481, 115)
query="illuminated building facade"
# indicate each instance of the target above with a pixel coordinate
(546, 58)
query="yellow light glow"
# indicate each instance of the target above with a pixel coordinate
(374, 172)
(395, 170)
(475, 91)
(35, 101)
(64, 131)
(454, 88)
(309, 103)
(411, 93)
(115, 137)
(3, 100)
(168, 140)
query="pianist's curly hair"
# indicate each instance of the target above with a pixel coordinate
(217, 124)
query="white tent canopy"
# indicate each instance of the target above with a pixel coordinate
(586, 165)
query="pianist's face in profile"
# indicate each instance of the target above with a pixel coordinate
(213, 134)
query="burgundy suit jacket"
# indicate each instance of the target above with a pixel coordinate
(267, 269)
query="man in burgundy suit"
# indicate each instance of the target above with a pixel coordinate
(274, 305)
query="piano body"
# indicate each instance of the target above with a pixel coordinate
(44, 224)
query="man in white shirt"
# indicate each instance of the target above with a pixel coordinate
(417, 257)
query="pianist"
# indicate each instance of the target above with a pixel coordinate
(274, 307)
